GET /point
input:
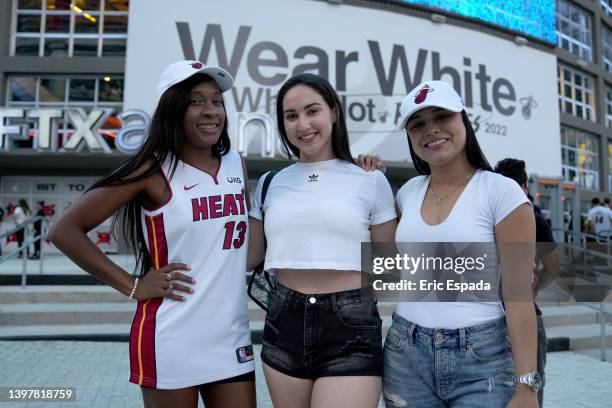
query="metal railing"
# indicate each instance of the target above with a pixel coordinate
(29, 238)
(589, 252)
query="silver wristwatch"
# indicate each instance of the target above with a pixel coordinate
(533, 380)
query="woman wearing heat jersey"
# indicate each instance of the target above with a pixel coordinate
(322, 341)
(183, 203)
(461, 354)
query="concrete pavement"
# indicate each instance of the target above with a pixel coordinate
(99, 372)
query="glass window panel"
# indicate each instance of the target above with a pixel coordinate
(23, 89)
(28, 24)
(574, 16)
(116, 5)
(575, 32)
(568, 107)
(52, 89)
(570, 139)
(579, 112)
(115, 24)
(89, 5)
(82, 90)
(565, 44)
(571, 158)
(564, 26)
(567, 91)
(57, 24)
(586, 54)
(58, 4)
(29, 4)
(85, 47)
(578, 94)
(575, 49)
(111, 91)
(563, 8)
(27, 46)
(56, 47)
(113, 47)
(84, 24)
(566, 74)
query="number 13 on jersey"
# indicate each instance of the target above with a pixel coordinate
(230, 227)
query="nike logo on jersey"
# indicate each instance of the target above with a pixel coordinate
(187, 188)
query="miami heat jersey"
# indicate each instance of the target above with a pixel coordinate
(205, 338)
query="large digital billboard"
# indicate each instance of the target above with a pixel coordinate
(535, 18)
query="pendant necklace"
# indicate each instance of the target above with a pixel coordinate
(437, 200)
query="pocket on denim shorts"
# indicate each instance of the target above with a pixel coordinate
(359, 315)
(393, 339)
(275, 306)
(490, 349)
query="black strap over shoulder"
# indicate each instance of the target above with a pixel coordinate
(264, 191)
(259, 269)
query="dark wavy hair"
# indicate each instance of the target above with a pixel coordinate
(474, 153)
(514, 169)
(164, 141)
(339, 135)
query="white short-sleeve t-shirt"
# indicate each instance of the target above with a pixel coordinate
(318, 214)
(601, 217)
(485, 201)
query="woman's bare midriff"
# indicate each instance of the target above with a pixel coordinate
(314, 281)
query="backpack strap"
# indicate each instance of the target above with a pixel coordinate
(264, 192)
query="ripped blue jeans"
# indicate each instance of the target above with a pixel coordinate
(462, 368)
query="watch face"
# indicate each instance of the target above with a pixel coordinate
(537, 382)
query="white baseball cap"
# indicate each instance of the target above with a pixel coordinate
(181, 70)
(429, 93)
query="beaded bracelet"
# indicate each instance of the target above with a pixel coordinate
(133, 289)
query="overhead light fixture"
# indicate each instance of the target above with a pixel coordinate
(107, 78)
(438, 18)
(519, 40)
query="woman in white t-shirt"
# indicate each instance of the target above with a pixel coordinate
(461, 354)
(322, 343)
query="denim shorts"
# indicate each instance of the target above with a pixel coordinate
(323, 335)
(430, 368)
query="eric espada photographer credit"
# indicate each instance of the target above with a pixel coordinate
(428, 286)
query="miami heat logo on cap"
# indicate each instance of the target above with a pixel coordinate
(197, 65)
(422, 95)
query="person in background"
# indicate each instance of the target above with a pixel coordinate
(599, 220)
(1, 219)
(547, 262)
(20, 216)
(40, 212)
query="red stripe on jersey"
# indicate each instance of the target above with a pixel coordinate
(134, 334)
(142, 336)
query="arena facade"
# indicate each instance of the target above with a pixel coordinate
(78, 78)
